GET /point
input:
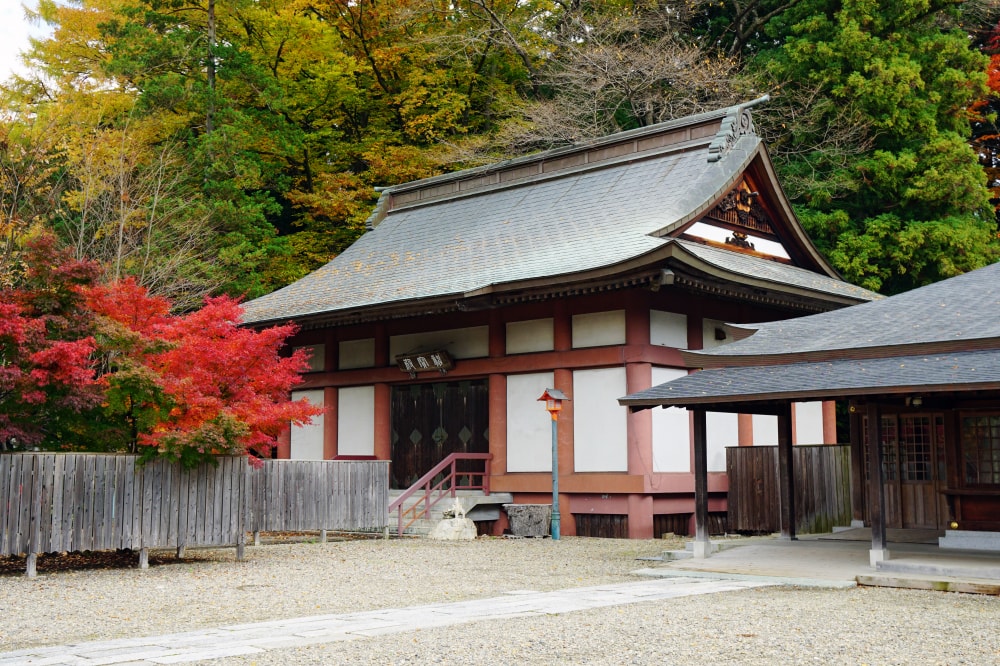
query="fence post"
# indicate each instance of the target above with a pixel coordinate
(34, 536)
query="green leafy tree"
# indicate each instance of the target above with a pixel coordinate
(905, 202)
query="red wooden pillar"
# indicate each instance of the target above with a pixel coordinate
(564, 382)
(330, 423)
(383, 426)
(383, 398)
(829, 422)
(562, 340)
(639, 424)
(744, 429)
(284, 444)
(498, 396)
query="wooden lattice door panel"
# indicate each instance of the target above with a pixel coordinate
(914, 470)
(431, 421)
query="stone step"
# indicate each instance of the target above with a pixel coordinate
(970, 540)
(477, 505)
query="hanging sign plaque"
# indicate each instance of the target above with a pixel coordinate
(425, 362)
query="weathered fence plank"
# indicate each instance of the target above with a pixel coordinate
(53, 502)
(822, 488)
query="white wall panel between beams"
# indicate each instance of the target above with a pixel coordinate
(307, 440)
(808, 422)
(708, 328)
(668, 329)
(317, 356)
(765, 430)
(600, 438)
(671, 430)
(529, 427)
(356, 421)
(599, 329)
(533, 335)
(723, 430)
(472, 342)
(357, 354)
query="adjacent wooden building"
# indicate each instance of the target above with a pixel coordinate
(921, 374)
(586, 269)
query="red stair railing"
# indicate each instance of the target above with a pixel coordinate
(432, 493)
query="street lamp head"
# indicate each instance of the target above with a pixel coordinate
(553, 400)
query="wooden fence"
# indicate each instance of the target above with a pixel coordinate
(822, 485)
(289, 495)
(59, 502)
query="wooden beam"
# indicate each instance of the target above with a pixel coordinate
(786, 473)
(879, 550)
(857, 468)
(702, 546)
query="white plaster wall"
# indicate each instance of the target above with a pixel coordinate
(600, 442)
(808, 422)
(599, 329)
(765, 430)
(307, 440)
(533, 335)
(529, 427)
(472, 342)
(356, 421)
(671, 430)
(317, 356)
(722, 431)
(708, 327)
(714, 233)
(357, 354)
(668, 329)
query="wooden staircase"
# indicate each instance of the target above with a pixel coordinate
(478, 506)
(464, 477)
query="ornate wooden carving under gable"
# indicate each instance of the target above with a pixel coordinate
(741, 211)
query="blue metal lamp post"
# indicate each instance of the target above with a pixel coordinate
(553, 403)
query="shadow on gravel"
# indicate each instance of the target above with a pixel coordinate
(129, 559)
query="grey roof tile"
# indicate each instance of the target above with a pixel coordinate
(775, 272)
(827, 379)
(562, 224)
(553, 227)
(962, 308)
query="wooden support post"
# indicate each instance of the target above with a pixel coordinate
(857, 469)
(34, 536)
(322, 536)
(879, 551)
(180, 552)
(786, 473)
(702, 546)
(144, 558)
(241, 546)
(256, 538)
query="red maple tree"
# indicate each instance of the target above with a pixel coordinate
(219, 388)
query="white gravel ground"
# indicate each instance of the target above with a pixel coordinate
(760, 626)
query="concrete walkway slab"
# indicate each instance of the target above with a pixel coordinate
(253, 638)
(817, 562)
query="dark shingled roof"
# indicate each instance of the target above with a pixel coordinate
(960, 312)
(830, 379)
(944, 337)
(549, 227)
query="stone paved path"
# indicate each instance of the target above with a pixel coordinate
(259, 637)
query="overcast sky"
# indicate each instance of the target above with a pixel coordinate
(14, 31)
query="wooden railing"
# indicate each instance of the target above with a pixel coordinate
(432, 493)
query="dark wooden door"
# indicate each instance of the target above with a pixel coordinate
(921, 470)
(914, 470)
(431, 421)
